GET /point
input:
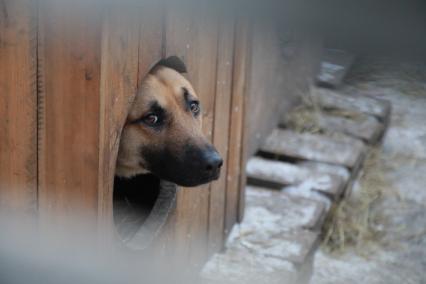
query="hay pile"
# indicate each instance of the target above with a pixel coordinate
(303, 119)
(354, 222)
(307, 117)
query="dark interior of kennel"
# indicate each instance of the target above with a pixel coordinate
(133, 201)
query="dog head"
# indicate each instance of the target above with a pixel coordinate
(162, 134)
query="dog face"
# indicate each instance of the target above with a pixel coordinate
(162, 134)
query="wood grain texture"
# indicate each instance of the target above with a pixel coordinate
(236, 126)
(221, 131)
(151, 33)
(69, 51)
(118, 83)
(18, 100)
(245, 139)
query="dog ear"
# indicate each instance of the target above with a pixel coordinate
(173, 62)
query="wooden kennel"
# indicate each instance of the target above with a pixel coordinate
(68, 73)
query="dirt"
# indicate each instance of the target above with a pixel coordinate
(399, 255)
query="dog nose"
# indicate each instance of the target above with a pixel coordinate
(213, 162)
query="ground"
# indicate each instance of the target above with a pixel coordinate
(376, 234)
(399, 254)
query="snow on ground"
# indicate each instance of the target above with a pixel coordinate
(403, 258)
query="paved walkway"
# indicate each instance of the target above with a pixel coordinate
(402, 163)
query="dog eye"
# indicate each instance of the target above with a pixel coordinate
(195, 107)
(151, 119)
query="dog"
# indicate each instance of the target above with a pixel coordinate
(162, 134)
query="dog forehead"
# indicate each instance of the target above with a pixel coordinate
(164, 87)
(173, 80)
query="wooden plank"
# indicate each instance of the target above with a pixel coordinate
(339, 150)
(276, 174)
(69, 52)
(335, 65)
(220, 133)
(118, 82)
(18, 106)
(150, 35)
(245, 142)
(353, 103)
(193, 37)
(234, 190)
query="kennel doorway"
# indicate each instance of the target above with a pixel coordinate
(141, 207)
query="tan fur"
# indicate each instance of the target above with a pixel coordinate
(163, 85)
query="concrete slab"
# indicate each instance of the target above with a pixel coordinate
(295, 213)
(338, 150)
(281, 173)
(273, 244)
(340, 171)
(364, 127)
(335, 65)
(306, 190)
(353, 103)
(237, 266)
(293, 246)
(277, 174)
